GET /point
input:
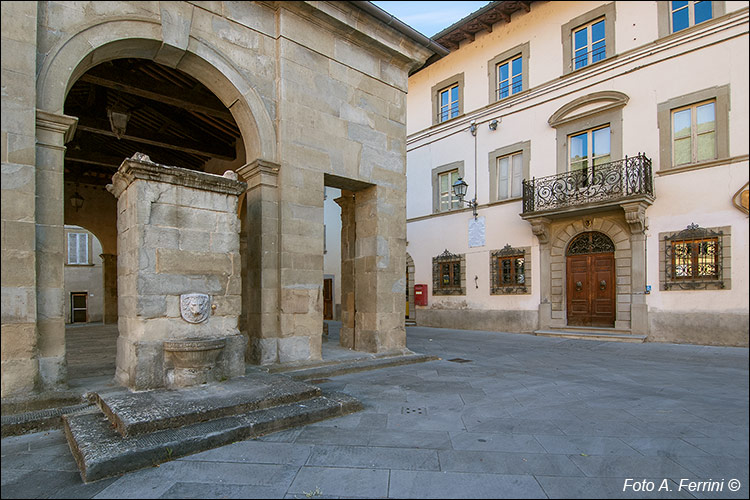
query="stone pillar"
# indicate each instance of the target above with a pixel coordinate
(540, 228)
(261, 258)
(109, 278)
(301, 264)
(348, 240)
(178, 269)
(20, 366)
(635, 216)
(53, 131)
(379, 263)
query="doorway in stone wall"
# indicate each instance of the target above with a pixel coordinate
(590, 281)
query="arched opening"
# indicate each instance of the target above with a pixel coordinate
(591, 287)
(124, 106)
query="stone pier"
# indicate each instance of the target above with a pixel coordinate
(179, 269)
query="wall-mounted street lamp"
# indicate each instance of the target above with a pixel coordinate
(493, 125)
(459, 189)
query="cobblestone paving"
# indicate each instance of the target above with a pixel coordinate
(513, 416)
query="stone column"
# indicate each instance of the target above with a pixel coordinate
(635, 216)
(109, 278)
(540, 227)
(178, 269)
(379, 263)
(301, 264)
(53, 131)
(261, 286)
(348, 240)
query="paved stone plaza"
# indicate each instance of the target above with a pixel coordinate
(524, 417)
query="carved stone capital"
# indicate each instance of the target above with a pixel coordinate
(635, 216)
(540, 228)
(57, 125)
(260, 173)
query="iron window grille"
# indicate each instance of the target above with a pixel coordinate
(590, 242)
(446, 274)
(693, 259)
(508, 269)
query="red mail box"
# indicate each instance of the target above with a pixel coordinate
(420, 295)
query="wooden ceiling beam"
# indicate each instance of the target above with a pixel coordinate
(211, 149)
(185, 99)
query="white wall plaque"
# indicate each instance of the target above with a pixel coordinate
(476, 232)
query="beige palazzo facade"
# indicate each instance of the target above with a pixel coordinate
(606, 147)
(279, 100)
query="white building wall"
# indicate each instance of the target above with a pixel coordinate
(649, 71)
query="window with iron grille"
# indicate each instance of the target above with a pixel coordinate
(589, 44)
(694, 259)
(448, 104)
(448, 277)
(508, 271)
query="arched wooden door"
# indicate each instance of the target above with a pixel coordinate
(590, 290)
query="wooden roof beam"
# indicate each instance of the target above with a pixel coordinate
(102, 127)
(185, 99)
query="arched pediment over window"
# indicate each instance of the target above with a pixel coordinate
(588, 105)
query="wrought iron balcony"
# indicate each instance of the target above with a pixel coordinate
(613, 181)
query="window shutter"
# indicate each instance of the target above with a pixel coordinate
(83, 248)
(502, 178)
(517, 175)
(72, 248)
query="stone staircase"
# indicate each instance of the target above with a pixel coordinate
(126, 431)
(592, 333)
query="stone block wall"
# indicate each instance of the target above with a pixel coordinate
(20, 349)
(178, 233)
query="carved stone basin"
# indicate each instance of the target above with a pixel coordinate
(193, 359)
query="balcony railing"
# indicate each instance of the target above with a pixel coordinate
(606, 182)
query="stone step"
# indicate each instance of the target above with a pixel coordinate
(134, 413)
(359, 365)
(100, 451)
(38, 420)
(599, 334)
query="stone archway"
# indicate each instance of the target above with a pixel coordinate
(563, 234)
(89, 45)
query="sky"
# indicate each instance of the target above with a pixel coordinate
(430, 18)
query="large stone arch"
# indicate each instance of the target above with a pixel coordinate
(561, 237)
(104, 40)
(84, 47)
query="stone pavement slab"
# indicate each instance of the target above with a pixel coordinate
(556, 419)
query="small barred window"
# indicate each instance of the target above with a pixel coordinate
(447, 274)
(508, 270)
(693, 258)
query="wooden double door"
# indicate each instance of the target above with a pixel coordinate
(591, 289)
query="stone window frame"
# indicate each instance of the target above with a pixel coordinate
(89, 247)
(589, 120)
(495, 287)
(435, 176)
(725, 243)
(664, 17)
(607, 11)
(518, 147)
(457, 79)
(523, 51)
(446, 256)
(720, 94)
